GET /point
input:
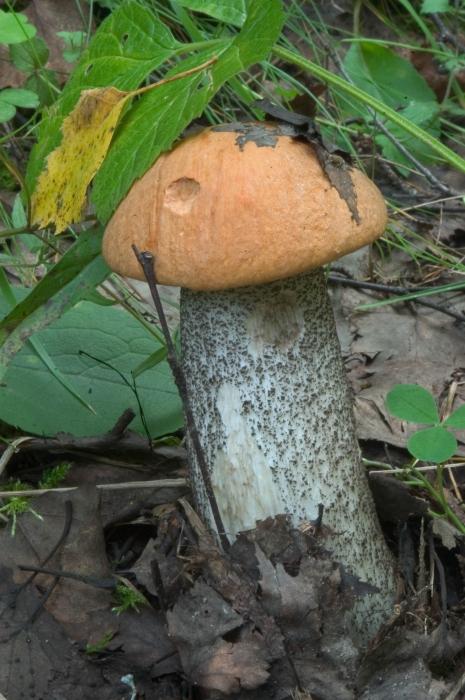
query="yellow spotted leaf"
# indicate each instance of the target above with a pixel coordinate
(60, 195)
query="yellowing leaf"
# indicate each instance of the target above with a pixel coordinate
(60, 193)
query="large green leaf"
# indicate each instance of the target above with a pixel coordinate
(74, 261)
(32, 399)
(79, 271)
(130, 44)
(230, 11)
(9, 298)
(385, 75)
(158, 118)
(394, 81)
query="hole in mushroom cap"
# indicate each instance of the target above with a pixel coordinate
(180, 195)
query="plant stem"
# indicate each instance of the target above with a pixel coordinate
(199, 46)
(437, 495)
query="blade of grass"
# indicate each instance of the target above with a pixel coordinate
(413, 295)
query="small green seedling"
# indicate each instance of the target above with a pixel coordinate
(52, 477)
(127, 598)
(413, 403)
(17, 505)
(74, 45)
(99, 646)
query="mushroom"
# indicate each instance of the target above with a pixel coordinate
(243, 218)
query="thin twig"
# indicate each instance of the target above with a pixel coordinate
(147, 263)
(154, 484)
(375, 286)
(106, 583)
(132, 387)
(446, 35)
(66, 529)
(65, 532)
(406, 470)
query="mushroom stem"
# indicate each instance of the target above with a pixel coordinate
(273, 410)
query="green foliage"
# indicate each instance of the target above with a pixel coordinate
(52, 477)
(394, 81)
(11, 98)
(141, 41)
(14, 28)
(125, 50)
(79, 270)
(127, 598)
(29, 56)
(74, 43)
(16, 505)
(428, 6)
(127, 47)
(415, 404)
(99, 646)
(38, 402)
(230, 11)
(412, 403)
(365, 99)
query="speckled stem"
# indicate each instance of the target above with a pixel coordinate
(273, 410)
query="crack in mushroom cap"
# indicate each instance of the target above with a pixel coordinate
(220, 211)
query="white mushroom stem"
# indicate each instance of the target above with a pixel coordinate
(273, 410)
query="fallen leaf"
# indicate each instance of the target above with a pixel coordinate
(447, 533)
(398, 345)
(60, 194)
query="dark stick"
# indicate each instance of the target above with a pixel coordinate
(34, 615)
(336, 279)
(57, 545)
(122, 423)
(158, 581)
(107, 583)
(128, 445)
(442, 590)
(147, 262)
(446, 35)
(60, 541)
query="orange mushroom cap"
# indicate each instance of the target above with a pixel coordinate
(239, 205)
